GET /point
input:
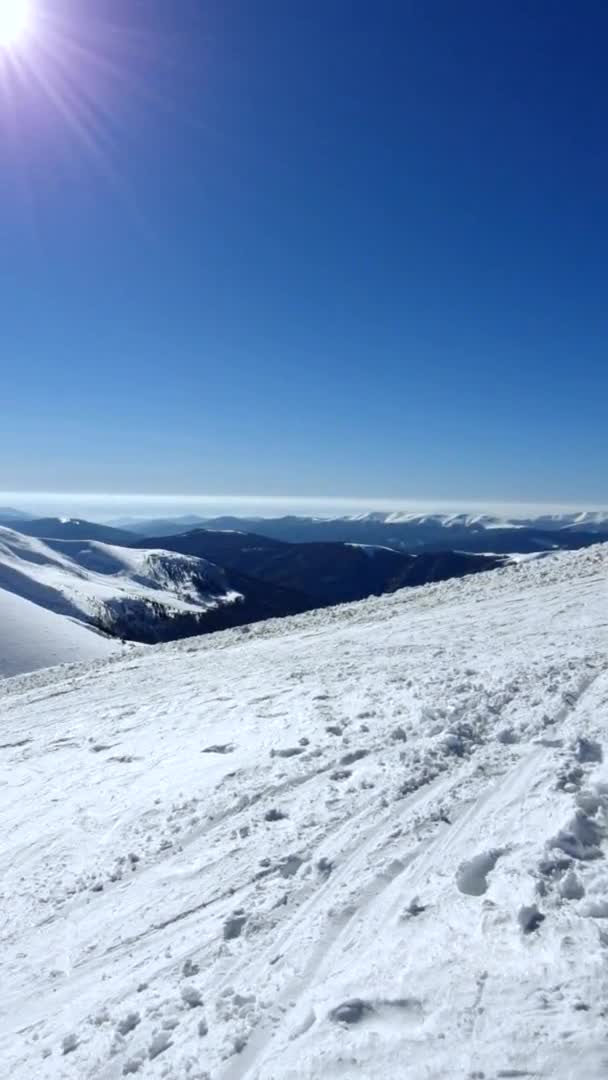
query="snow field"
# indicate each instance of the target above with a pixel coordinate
(363, 842)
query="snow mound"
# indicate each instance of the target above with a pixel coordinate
(368, 841)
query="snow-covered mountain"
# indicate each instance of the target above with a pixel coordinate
(580, 519)
(414, 533)
(368, 841)
(177, 587)
(142, 595)
(413, 527)
(402, 530)
(323, 573)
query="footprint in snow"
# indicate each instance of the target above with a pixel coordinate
(350, 1012)
(355, 1010)
(159, 1044)
(413, 909)
(128, 1023)
(588, 750)
(353, 756)
(234, 925)
(530, 918)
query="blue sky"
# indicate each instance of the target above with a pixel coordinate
(311, 248)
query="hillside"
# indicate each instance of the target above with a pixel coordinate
(66, 529)
(165, 591)
(364, 842)
(142, 595)
(33, 637)
(324, 573)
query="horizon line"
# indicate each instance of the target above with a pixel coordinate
(372, 503)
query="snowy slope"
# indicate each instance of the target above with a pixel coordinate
(32, 637)
(116, 588)
(367, 842)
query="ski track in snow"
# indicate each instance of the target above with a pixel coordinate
(363, 842)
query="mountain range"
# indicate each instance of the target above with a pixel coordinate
(180, 586)
(323, 572)
(427, 533)
(402, 531)
(69, 588)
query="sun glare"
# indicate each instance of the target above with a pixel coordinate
(15, 17)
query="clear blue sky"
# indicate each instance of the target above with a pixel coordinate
(325, 247)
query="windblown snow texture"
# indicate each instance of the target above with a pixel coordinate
(363, 842)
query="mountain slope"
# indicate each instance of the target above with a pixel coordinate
(70, 529)
(143, 595)
(366, 841)
(325, 573)
(33, 637)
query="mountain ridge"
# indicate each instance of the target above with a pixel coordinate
(326, 572)
(65, 528)
(201, 583)
(421, 534)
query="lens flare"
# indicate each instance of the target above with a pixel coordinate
(15, 18)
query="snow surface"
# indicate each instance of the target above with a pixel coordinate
(89, 581)
(32, 637)
(364, 842)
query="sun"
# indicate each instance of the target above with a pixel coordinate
(15, 20)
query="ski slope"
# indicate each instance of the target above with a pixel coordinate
(366, 842)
